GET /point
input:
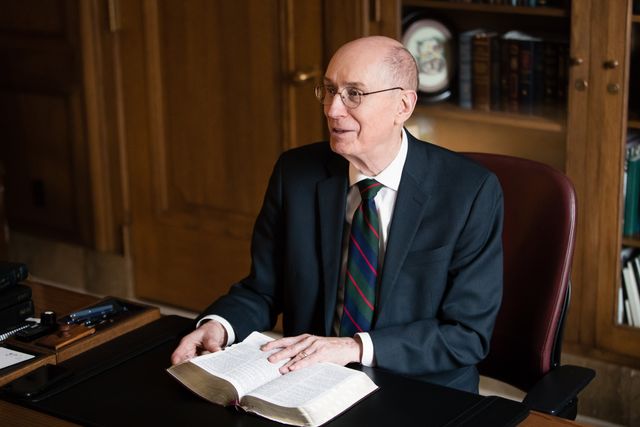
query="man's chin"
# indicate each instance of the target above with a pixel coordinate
(340, 146)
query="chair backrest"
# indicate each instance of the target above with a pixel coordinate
(538, 241)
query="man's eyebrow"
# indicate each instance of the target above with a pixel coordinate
(328, 81)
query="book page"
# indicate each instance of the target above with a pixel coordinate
(299, 387)
(310, 396)
(244, 365)
(318, 393)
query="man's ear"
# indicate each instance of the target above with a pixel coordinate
(406, 105)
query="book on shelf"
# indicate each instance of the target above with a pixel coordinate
(16, 313)
(527, 3)
(633, 292)
(512, 70)
(563, 71)
(505, 74)
(495, 73)
(14, 295)
(547, 3)
(484, 48)
(526, 83)
(631, 186)
(515, 72)
(550, 74)
(11, 273)
(525, 68)
(622, 315)
(628, 312)
(465, 99)
(242, 376)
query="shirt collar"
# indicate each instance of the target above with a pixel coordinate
(390, 176)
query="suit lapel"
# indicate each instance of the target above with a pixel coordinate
(331, 198)
(411, 200)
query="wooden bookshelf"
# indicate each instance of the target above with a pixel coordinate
(489, 8)
(452, 111)
(631, 241)
(612, 338)
(585, 138)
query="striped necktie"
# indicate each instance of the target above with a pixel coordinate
(362, 263)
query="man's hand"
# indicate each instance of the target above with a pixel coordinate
(305, 350)
(210, 336)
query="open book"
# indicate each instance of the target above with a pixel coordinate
(241, 375)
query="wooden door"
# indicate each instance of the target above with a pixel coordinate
(579, 324)
(211, 92)
(42, 124)
(608, 130)
(595, 159)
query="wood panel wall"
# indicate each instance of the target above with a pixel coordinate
(42, 120)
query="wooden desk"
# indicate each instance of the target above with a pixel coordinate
(47, 298)
(44, 298)
(16, 415)
(63, 302)
(13, 415)
(60, 300)
(537, 419)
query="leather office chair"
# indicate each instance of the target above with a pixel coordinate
(538, 241)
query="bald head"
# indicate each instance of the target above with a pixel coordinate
(376, 80)
(397, 63)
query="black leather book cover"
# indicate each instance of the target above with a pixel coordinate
(11, 273)
(14, 295)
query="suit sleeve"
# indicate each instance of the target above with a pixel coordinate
(460, 333)
(253, 303)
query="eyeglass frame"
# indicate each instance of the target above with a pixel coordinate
(340, 92)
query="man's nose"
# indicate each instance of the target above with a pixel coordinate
(336, 107)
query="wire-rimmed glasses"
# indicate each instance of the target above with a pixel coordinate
(351, 96)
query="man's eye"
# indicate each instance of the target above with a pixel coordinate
(353, 93)
(330, 90)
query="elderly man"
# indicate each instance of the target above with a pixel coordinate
(376, 247)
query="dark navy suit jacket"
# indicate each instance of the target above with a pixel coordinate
(441, 283)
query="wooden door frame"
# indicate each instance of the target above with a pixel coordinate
(102, 98)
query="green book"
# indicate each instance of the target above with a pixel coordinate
(632, 191)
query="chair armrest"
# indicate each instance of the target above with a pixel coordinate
(558, 389)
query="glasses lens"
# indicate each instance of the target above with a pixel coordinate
(351, 97)
(320, 93)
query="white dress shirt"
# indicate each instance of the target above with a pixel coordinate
(385, 203)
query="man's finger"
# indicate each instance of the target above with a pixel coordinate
(301, 360)
(183, 352)
(211, 345)
(285, 353)
(294, 349)
(283, 342)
